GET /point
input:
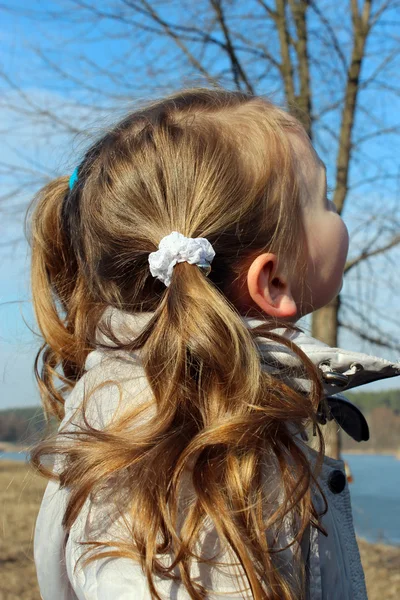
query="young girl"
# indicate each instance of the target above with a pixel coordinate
(167, 273)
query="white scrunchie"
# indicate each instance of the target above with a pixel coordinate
(175, 248)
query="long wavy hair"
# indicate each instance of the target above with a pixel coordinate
(207, 163)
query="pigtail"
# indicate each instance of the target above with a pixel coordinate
(55, 283)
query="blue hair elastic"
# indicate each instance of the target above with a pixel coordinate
(73, 179)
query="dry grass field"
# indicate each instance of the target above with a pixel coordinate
(21, 491)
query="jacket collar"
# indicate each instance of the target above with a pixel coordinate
(341, 369)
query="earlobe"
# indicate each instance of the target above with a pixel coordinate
(269, 288)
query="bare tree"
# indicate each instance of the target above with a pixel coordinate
(322, 60)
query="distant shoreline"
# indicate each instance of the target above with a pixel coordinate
(395, 453)
(377, 545)
(10, 447)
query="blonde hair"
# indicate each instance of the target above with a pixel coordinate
(207, 163)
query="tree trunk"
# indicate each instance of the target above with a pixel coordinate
(325, 329)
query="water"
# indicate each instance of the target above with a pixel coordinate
(20, 456)
(375, 494)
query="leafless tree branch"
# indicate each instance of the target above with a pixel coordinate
(384, 7)
(395, 241)
(367, 337)
(287, 67)
(385, 62)
(237, 69)
(367, 180)
(378, 133)
(332, 35)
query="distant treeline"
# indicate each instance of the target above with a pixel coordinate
(382, 411)
(367, 401)
(24, 426)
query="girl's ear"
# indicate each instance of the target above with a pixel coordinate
(270, 288)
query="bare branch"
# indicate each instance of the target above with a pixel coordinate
(304, 99)
(373, 134)
(237, 69)
(12, 194)
(381, 10)
(276, 18)
(262, 50)
(395, 241)
(370, 308)
(366, 180)
(332, 132)
(366, 12)
(19, 169)
(350, 104)
(178, 41)
(37, 109)
(385, 62)
(287, 67)
(386, 86)
(335, 42)
(367, 337)
(176, 32)
(270, 12)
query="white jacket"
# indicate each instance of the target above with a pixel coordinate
(335, 570)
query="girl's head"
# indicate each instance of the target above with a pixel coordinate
(241, 172)
(227, 166)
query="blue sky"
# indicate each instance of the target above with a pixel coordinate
(50, 151)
